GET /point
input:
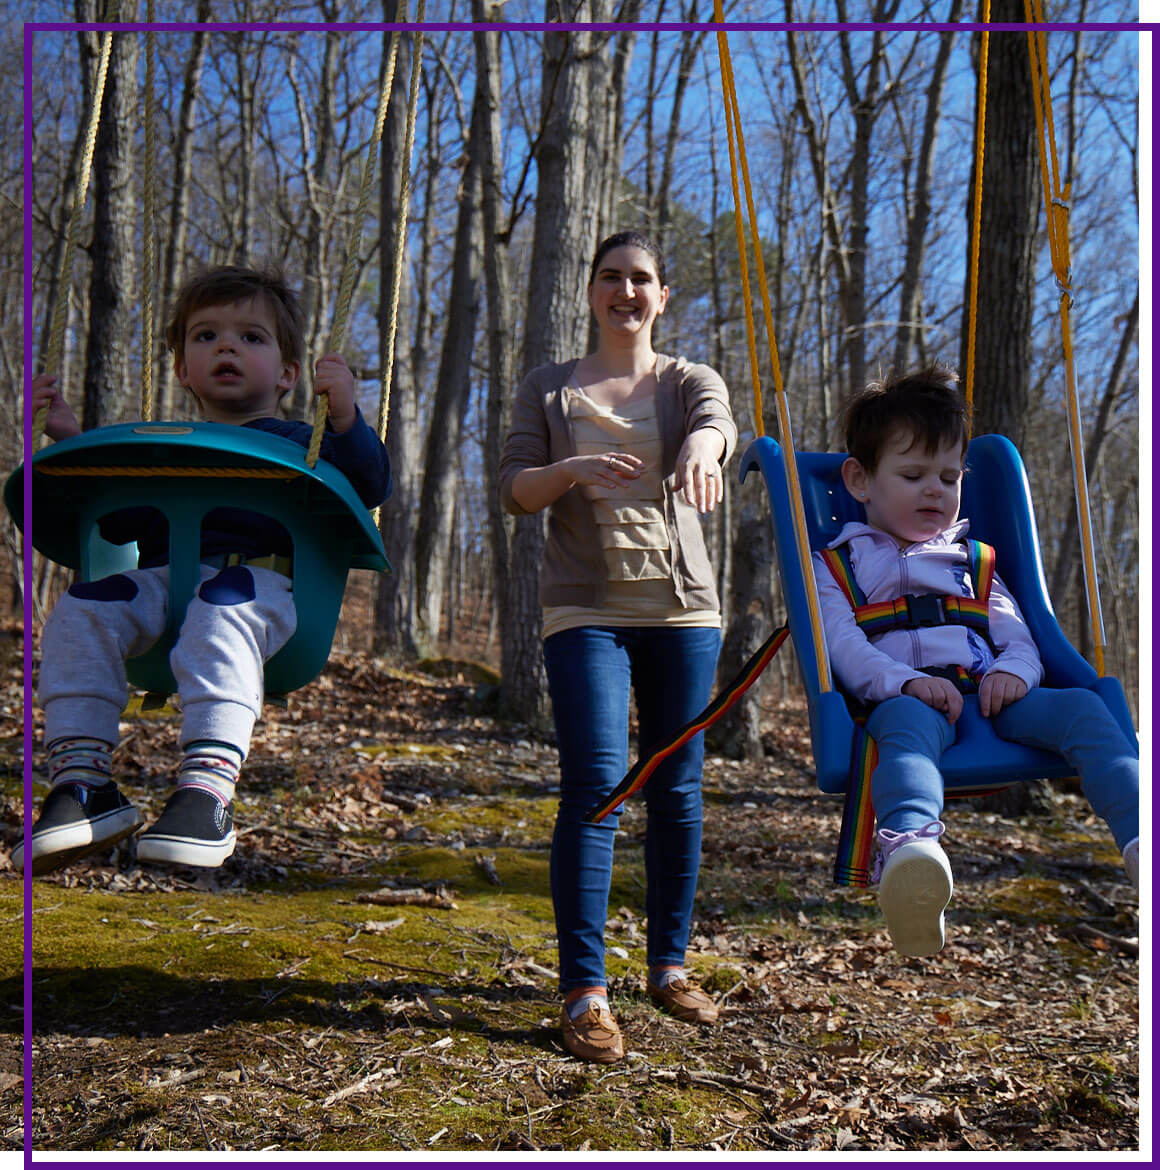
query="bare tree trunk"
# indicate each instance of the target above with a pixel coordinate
(621, 58)
(570, 161)
(1007, 238)
(433, 537)
(111, 342)
(1006, 276)
(394, 595)
(318, 179)
(865, 107)
(738, 733)
(500, 356)
(1114, 387)
(910, 300)
(172, 269)
(244, 234)
(690, 47)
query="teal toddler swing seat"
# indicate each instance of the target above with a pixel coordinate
(185, 471)
(996, 498)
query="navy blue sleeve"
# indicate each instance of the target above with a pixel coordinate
(358, 454)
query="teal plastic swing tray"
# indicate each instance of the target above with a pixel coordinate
(186, 470)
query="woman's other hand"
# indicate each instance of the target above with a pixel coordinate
(612, 469)
(537, 487)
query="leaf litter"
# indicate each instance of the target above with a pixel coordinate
(270, 1005)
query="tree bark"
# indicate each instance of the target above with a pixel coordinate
(452, 390)
(500, 356)
(918, 217)
(318, 180)
(394, 596)
(1002, 370)
(172, 267)
(570, 160)
(112, 311)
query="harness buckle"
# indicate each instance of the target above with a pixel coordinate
(925, 609)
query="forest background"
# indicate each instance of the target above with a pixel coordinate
(299, 1021)
(530, 145)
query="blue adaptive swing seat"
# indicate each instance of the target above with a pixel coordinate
(996, 498)
(186, 470)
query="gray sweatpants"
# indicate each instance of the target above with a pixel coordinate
(238, 618)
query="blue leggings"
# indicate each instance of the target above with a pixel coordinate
(907, 787)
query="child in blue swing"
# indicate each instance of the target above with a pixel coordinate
(906, 439)
(237, 341)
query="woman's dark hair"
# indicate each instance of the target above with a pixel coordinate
(629, 239)
(924, 403)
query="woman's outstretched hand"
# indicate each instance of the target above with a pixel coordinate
(698, 468)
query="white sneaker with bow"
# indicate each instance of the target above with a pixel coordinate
(914, 888)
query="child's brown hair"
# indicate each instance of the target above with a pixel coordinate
(227, 285)
(924, 403)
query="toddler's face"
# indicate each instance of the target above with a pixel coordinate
(232, 361)
(911, 494)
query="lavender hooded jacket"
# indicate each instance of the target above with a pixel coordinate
(876, 669)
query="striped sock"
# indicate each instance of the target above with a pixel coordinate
(76, 759)
(211, 765)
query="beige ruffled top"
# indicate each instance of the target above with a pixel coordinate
(632, 526)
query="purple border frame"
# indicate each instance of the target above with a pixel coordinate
(29, 31)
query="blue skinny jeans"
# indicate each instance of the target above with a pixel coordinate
(907, 787)
(591, 670)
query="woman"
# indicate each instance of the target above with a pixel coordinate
(624, 446)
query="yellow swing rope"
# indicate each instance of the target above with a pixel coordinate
(346, 284)
(781, 402)
(976, 218)
(54, 349)
(1056, 199)
(148, 208)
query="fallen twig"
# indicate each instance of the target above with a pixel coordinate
(388, 897)
(362, 1085)
(1126, 946)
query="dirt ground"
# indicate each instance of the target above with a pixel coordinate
(374, 968)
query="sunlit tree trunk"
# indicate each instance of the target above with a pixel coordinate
(110, 376)
(452, 390)
(570, 160)
(919, 206)
(172, 271)
(1007, 237)
(394, 612)
(500, 355)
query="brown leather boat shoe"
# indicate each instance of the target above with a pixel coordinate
(684, 1000)
(593, 1035)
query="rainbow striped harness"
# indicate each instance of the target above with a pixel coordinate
(915, 611)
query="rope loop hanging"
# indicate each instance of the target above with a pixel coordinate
(148, 232)
(737, 155)
(977, 216)
(350, 264)
(54, 350)
(1057, 202)
(399, 250)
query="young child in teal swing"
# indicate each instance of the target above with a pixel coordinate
(237, 342)
(906, 439)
